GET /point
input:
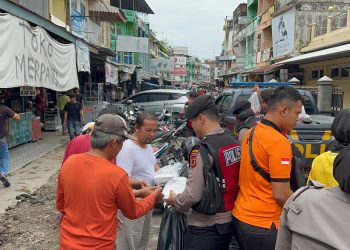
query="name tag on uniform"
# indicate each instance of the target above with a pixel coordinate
(232, 156)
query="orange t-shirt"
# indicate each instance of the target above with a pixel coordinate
(255, 204)
(90, 190)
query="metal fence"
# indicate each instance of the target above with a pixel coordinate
(339, 21)
(337, 97)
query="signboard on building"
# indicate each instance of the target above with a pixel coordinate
(180, 51)
(111, 72)
(162, 65)
(258, 57)
(83, 56)
(27, 91)
(179, 60)
(283, 33)
(266, 55)
(33, 58)
(132, 44)
(179, 71)
(78, 20)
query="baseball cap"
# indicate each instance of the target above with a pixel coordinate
(113, 125)
(200, 104)
(88, 126)
(241, 106)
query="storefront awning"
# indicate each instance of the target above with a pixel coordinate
(106, 12)
(325, 54)
(136, 5)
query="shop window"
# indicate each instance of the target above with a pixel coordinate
(334, 72)
(128, 57)
(344, 72)
(314, 74)
(321, 73)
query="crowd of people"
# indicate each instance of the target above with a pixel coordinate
(238, 193)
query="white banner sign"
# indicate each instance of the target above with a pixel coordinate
(111, 73)
(283, 33)
(179, 60)
(132, 44)
(162, 65)
(30, 57)
(83, 56)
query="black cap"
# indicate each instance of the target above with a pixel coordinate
(199, 104)
(241, 106)
(266, 94)
(341, 127)
(192, 94)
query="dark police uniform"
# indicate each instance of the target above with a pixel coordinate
(210, 231)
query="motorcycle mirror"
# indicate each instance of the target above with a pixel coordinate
(129, 102)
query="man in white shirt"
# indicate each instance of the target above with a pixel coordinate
(138, 160)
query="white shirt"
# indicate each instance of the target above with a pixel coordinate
(137, 162)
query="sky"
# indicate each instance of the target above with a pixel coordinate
(196, 24)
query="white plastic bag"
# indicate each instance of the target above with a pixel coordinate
(177, 184)
(166, 173)
(255, 102)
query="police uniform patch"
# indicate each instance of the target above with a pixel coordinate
(193, 157)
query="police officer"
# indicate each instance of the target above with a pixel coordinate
(217, 157)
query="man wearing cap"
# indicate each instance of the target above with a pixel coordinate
(218, 153)
(81, 144)
(91, 189)
(138, 160)
(246, 118)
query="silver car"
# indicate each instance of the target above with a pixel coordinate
(155, 100)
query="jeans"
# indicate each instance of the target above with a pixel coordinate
(251, 237)
(73, 128)
(62, 120)
(217, 237)
(4, 156)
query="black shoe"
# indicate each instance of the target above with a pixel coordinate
(5, 181)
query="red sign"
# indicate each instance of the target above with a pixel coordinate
(179, 71)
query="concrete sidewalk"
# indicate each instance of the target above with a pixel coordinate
(31, 165)
(26, 153)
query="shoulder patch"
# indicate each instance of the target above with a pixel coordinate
(193, 157)
(232, 156)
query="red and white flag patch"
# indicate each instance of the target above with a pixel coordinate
(285, 161)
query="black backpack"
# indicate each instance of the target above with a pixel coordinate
(211, 202)
(297, 175)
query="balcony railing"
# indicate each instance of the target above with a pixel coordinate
(339, 21)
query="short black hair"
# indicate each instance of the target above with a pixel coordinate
(245, 114)
(192, 94)
(266, 94)
(141, 117)
(284, 93)
(212, 113)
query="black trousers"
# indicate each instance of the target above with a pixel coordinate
(255, 238)
(217, 237)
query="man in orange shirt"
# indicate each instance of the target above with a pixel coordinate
(91, 189)
(265, 187)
